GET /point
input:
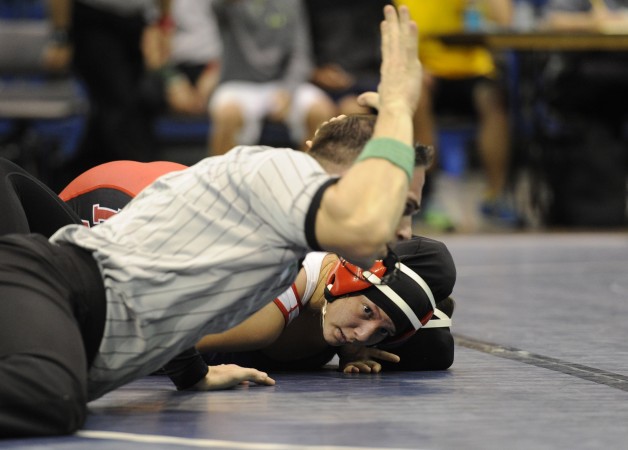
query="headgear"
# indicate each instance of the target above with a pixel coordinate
(423, 275)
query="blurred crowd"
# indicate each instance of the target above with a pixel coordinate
(241, 64)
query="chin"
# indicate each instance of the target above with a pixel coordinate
(328, 335)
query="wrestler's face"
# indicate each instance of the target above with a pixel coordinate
(355, 320)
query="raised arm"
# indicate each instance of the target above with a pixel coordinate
(360, 214)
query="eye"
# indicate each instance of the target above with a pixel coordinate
(367, 310)
(411, 208)
(384, 332)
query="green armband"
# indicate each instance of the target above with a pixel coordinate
(398, 153)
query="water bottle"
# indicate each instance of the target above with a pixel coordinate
(472, 17)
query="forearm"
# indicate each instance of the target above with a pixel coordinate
(360, 214)
(362, 211)
(395, 122)
(258, 331)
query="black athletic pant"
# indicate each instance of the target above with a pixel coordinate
(52, 315)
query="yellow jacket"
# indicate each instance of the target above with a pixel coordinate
(446, 16)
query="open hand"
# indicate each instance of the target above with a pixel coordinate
(357, 359)
(400, 83)
(226, 376)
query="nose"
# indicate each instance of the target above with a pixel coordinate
(365, 331)
(404, 230)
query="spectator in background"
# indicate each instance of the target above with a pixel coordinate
(195, 57)
(345, 37)
(464, 80)
(265, 70)
(105, 40)
(605, 74)
(584, 93)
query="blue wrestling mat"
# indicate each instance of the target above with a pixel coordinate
(541, 363)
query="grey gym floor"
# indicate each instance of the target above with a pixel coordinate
(541, 363)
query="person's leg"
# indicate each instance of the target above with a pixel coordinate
(434, 213)
(236, 111)
(494, 148)
(119, 127)
(311, 106)
(424, 122)
(29, 206)
(493, 137)
(348, 105)
(321, 109)
(43, 363)
(226, 123)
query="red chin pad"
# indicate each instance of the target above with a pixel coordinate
(346, 278)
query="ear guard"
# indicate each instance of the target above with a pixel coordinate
(346, 279)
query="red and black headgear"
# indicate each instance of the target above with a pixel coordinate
(424, 274)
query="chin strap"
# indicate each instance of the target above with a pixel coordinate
(443, 320)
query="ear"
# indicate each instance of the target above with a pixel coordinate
(308, 145)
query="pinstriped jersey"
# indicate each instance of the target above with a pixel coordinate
(197, 252)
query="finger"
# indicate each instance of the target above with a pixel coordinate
(386, 356)
(261, 378)
(391, 19)
(384, 32)
(363, 367)
(351, 369)
(394, 30)
(370, 99)
(409, 32)
(375, 367)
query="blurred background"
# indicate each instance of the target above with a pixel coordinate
(525, 101)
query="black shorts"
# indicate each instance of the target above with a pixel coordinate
(455, 96)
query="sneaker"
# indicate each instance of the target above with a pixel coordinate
(499, 210)
(438, 220)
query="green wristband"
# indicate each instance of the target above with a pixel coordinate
(398, 153)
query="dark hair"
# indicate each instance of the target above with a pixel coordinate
(423, 155)
(341, 141)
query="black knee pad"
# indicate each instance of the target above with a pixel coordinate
(428, 349)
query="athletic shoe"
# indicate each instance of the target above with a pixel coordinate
(500, 211)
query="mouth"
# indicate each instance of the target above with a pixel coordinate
(340, 336)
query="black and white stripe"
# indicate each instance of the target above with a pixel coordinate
(197, 252)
